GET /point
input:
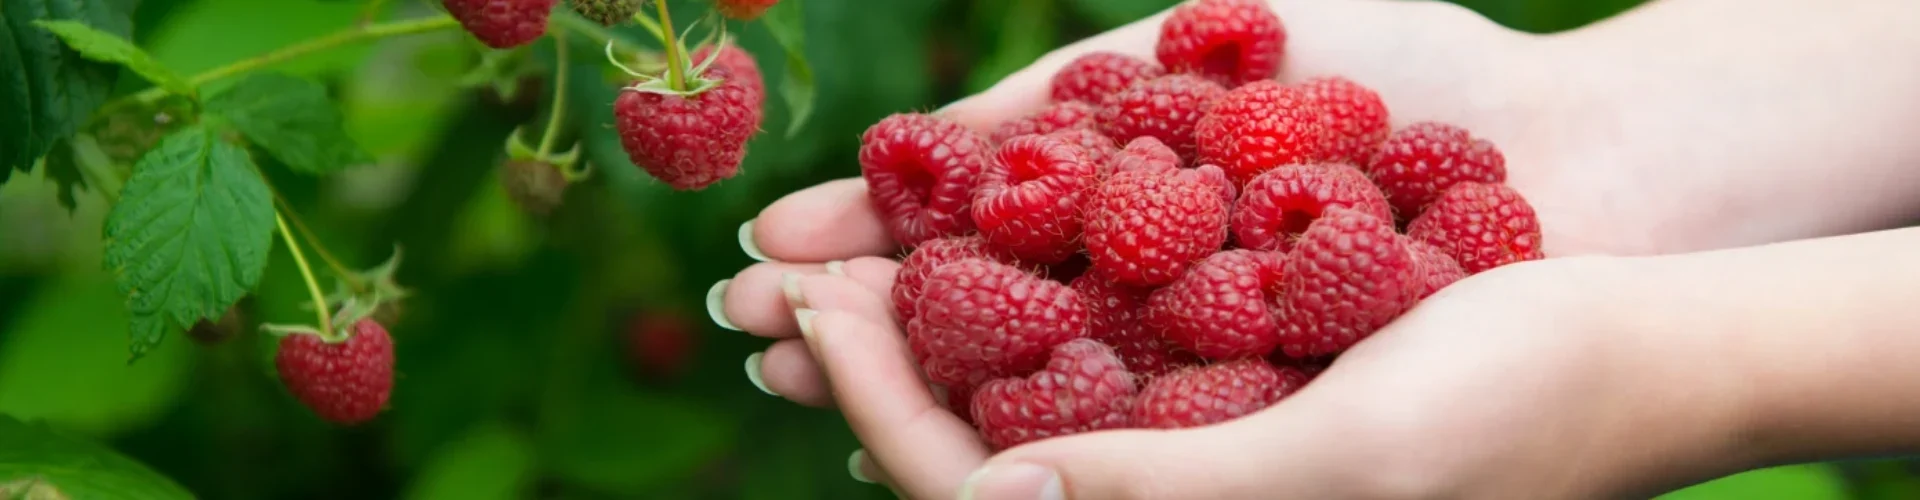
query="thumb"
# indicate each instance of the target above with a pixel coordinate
(1265, 455)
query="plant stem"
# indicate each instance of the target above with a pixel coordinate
(341, 270)
(559, 110)
(339, 38)
(672, 48)
(306, 273)
(372, 10)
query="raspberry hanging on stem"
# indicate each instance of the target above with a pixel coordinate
(674, 78)
(559, 95)
(306, 274)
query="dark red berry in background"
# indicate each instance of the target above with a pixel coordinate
(660, 344)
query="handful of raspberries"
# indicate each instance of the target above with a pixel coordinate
(1179, 242)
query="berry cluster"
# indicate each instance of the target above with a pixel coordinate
(1179, 242)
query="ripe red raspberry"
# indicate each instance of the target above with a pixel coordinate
(1146, 228)
(1354, 116)
(924, 259)
(978, 319)
(741, 68)
(1094, 76)
(744, 10)
(1230, 41)
(688, 142)
(1143, 153)
(345, 382)
(1223, 308)
(501, 24)
(1083, 388)
(1438, 269)
(1054, 117)
(1279, 205)
(1212, 176)
(1419, 162)
(1346, 277)
(959, 400)
(1211, 394)
(660, 344)
(1098, 146)
(1117, 315)
(1259, 126)
(1029, 199)
(1164, 108)
(920, 172)
(1482, 226)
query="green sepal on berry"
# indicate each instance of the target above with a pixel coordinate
(351, 311)
(690, 77)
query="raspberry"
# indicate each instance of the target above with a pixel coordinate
(1029, 199)
(1354, 116)
(1482, 226)
(1419, 162)
(688, 142)
(606, 12)
(1083, 388)
(1229, 41)
(978, 319)
(501, 24)
(1055, 117)
(1223, 308)
(1145, 228)
(1259, 126)
(1117, 319)
(1212, 176)
(1438, 270)
(1094, 76)
(660, 344)
(744, 10)
(959, 400)
(1164, 108)
(920, 172)
(343, 382)
(537, 187)
(1206, 395)
(740, 66)
(1143, 153)
(1349, 275)
(1099, 147)
(924, 259)
(1279, 205)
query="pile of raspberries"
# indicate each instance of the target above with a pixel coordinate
(1175, 243)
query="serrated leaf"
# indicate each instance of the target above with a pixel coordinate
(190, 234)
(47, 89)
(64, 170)
(797, 88)
(37, 457)
(292, 119)
(101, 46)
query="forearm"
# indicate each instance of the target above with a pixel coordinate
(1809, 350)
(1747, 121)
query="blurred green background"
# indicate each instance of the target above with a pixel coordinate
(517, 368)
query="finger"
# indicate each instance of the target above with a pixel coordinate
(786, 369)
(757, 300)
(926, 449)
(1030, 88)
(830, 221)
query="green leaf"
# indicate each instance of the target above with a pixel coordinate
(36, 457)
(106, 47)
(788, 26)
(95, 392)
(64, 169)
(47, 89)
(492, 461)
(190, 234)
(1808, 481)
(291, 118)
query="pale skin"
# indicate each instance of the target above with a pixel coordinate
(1705, 170)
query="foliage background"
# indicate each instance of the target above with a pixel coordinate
(513, 381)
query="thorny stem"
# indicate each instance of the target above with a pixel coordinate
(559, 95)
(353, 34)
(306, 273)
(672, 48)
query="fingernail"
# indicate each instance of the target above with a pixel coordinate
(853, 466)
(1013, 481)
(753, 373)
(804, 317)
(790, 286)
(717, 305)
(837, 267)
(747, 245)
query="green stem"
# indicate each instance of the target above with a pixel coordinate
(371, 11)
(352, 279)
(559, 110)
(306, 273)
(343, 37)
(672, 48)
